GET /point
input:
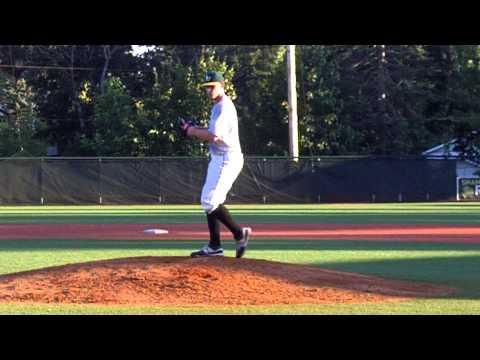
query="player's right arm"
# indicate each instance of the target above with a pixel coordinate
(203, 134)
(212, 134)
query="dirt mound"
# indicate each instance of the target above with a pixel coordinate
(200, 281)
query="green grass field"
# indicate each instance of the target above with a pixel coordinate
(455, 265)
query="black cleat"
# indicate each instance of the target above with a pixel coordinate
(207, 251)
(242, 244)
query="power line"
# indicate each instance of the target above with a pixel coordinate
(47, 67)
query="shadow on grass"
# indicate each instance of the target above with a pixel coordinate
(462, 272)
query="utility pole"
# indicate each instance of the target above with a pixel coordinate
(292, 103)
(382, 95)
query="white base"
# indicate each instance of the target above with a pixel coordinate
(155, 231)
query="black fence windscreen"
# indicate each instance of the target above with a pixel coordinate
(263, 180)
(20, 181)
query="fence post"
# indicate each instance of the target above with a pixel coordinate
(159, 181)
(42, 199)
(100, 200)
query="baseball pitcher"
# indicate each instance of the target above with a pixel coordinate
(226, 162)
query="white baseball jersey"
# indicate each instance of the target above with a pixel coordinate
(226, 158)
(224, 124)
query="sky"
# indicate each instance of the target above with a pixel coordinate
(140, 49)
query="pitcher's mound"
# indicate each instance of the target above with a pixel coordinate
(203, 281)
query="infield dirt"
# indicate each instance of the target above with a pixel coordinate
(468, 234)
(204, 281)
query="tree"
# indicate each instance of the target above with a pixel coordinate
(359, 100)
(175, 93)
(385, 94)
(116, 125)
(20, 125)
(59, 74)
(319, 105)
(261, 86)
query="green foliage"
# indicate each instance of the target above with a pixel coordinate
(322, 132)
(20, 125)
(261, 87)
(116, 122)
(175, 93)
(147, 125)
(432, 95)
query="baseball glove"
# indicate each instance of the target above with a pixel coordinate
(184, 125)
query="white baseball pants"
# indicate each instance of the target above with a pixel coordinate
(223, 170)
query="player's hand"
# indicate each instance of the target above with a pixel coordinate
(184, 126)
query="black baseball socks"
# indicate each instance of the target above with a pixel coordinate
(214, 228)
(222, 214)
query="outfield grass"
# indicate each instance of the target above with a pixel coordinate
(395, 213)
(456, 265)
